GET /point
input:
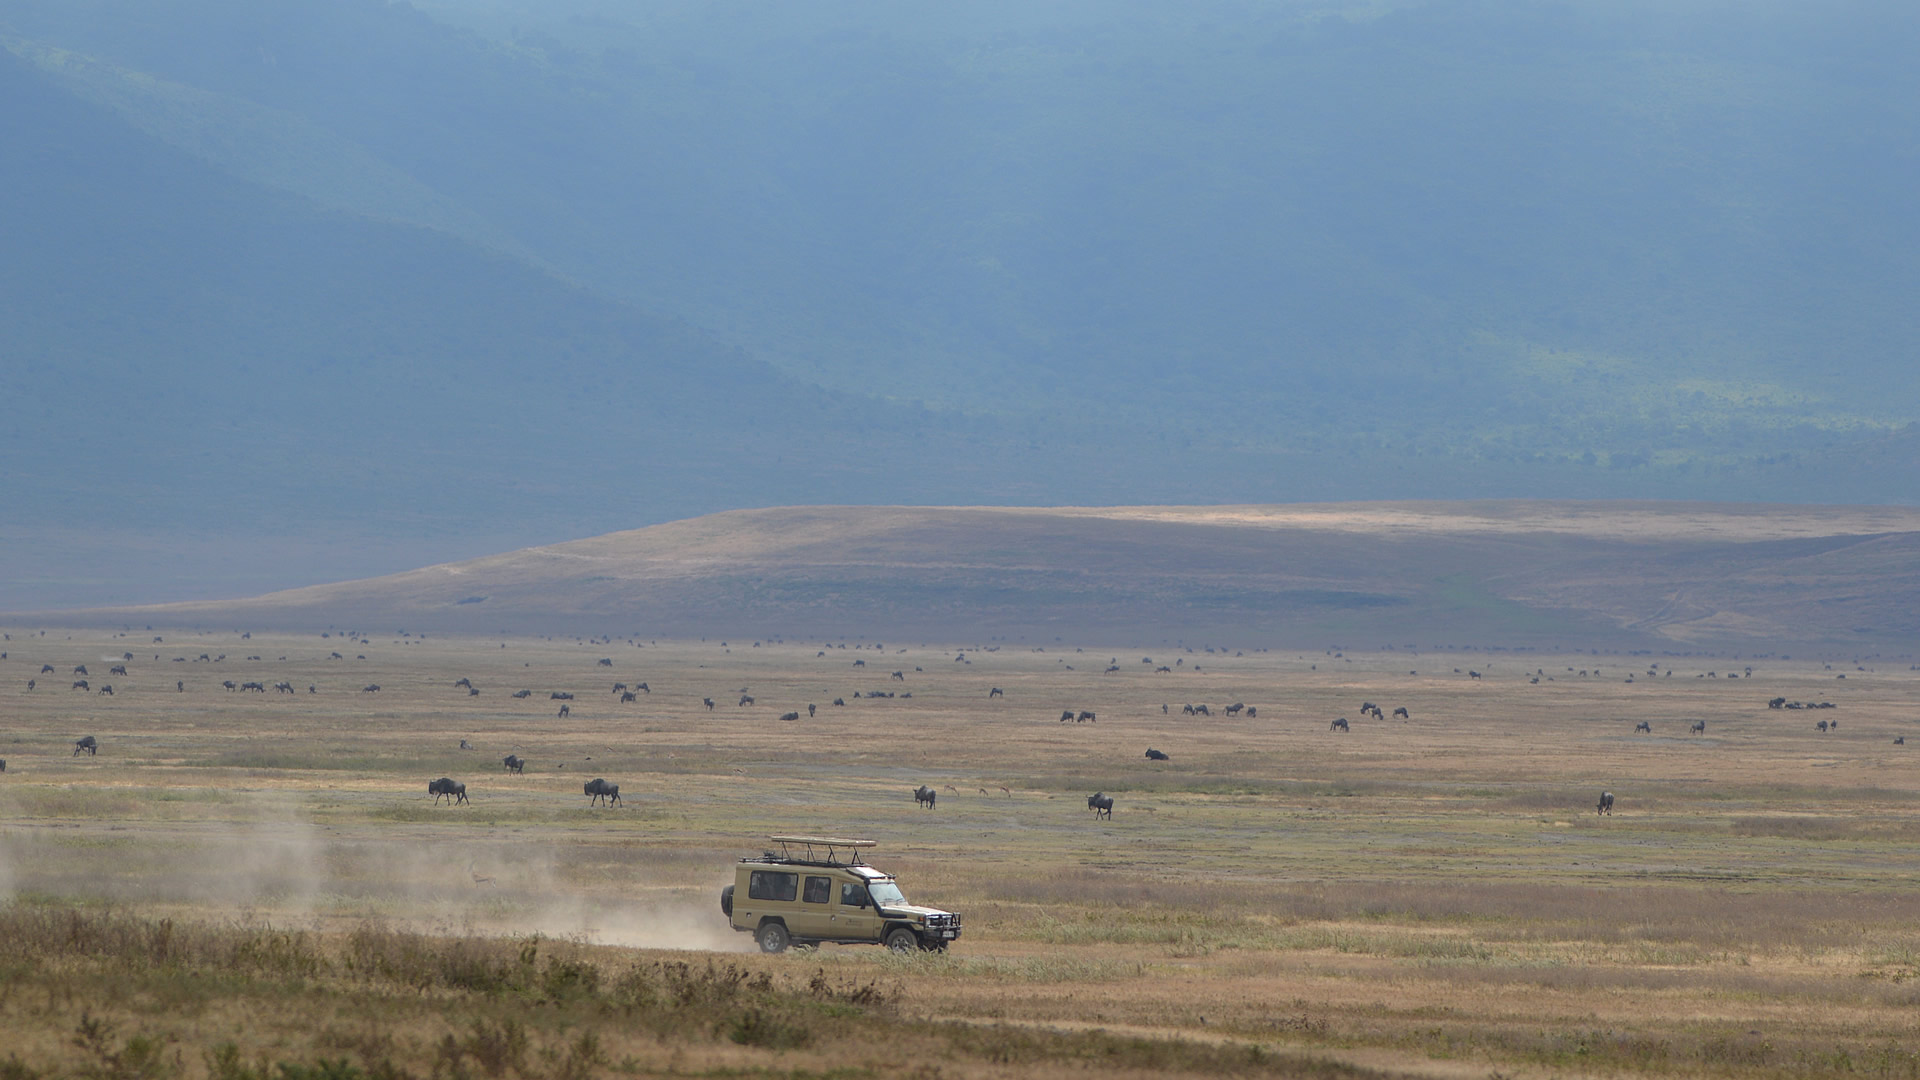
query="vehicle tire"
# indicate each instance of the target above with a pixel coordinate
(773, 937)
(902, 940)
(726, 901)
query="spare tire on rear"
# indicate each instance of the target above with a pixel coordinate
(726, 901)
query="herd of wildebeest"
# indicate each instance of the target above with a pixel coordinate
(600, 791)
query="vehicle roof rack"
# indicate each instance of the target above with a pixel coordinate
(833, 845)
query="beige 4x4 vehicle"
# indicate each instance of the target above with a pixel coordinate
(815, 889)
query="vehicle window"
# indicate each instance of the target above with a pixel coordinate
(853, 894)
(886, 892)
(819, 890)
(772, 885)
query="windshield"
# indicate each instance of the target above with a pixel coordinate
(885, 892)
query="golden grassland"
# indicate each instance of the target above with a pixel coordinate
(246, 885)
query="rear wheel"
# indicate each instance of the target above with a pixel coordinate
(773, 938)
(903, 940)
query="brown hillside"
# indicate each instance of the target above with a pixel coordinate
(1517, 573)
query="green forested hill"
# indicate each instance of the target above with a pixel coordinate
(461, 266)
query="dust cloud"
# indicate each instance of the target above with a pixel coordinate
(279, 868)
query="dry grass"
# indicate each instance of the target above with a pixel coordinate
(246, 885)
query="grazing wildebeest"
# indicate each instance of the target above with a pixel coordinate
(46, 669)
(924, 796)
(1367, 706)
(996, 692)
(106, 688)
(810, 709)
(901, 675)
(473, 691)
(1155, 755)
(643, 688)
(619, 687)
(1201, 710)
(464, 745)
(514, 763)
(451, 790)
(1339, 725)
(1252, 712)
(559, 695)
(1473, 674)
(1085, 716)
(283, 687)
(1606, 804)
(790, 716)
(565, 711)
(746, 699)
(85, 743)
(600, 789)
(839, 701)
(1643, 726)
(1402, 713)
(1777, 703)
(1699, 727)
(1102, 806)
(606, 661)
(1822, 725)
(708, 702)
(1235, 708)
(81, 684)
(629, 696)
(80, 670)
(117, 669)
(463, 682)
(370, 688)
(1066, 715)
(230, 684)
(1898, 740)
(523, 693)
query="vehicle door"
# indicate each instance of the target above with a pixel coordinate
(812, 916)
(854, 913)
(770, 893)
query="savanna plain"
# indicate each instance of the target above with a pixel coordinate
(256, 885)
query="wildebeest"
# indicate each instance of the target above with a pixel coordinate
(1066, 715)
(465, 745)
(463, 682)
(1235, 708)
(1698, 727)
(1102, 805)
(901, 675)
(117, 669)
(1822, 725)
(643, 688)
(924, 796)
(81, 684)
(1606, 804)
(80, 669)
(1401, 713)
(600, 789)
(283, 687)
(85, 743)
(370, 688)
(565, 710)
(46, 669)
(106, 688)
(996, 692)
(559, 695)
(606, 661)
(451, 790)
(1643, 726)
(790, 716)
(1201, 710)
(1898, 740)
(514, 763)
(1252, 713)
(1339, 725)
(839, 701)
(810, 710)
(230, 684)
(746, 699)
(628, 696)
(523, 693)
(30, 683)
(1085, 716)
(3, 764)
(1155, 755)
(708, 702)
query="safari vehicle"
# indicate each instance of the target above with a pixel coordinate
(815, 889)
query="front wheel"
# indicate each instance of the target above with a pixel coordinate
(903, 940)
(773, 938)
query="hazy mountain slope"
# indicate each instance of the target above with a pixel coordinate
(1654, 576)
